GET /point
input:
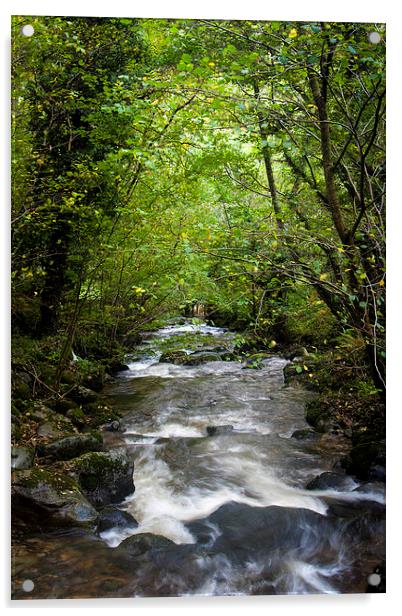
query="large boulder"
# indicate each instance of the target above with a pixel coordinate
(51, 493)
(105, 477)
(22, 458)
(71, 446)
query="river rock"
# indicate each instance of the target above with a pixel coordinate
(144, 544)
(201, 357)
(40, 412)
(54, 494)
(330, 481)
(83, 395)
(217, 430)
(366, 461)
(317, 416)
(105, 477)
(71, 446)
(63, 405)
(174, 357)
(22, 458)
(113, 426)
(56, 426)
(242, 532)
(305, 434)
(111, 517)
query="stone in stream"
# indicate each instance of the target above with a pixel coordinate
(201, 357)
(111, 517)
(52, 493)
(71, 446)
(174, 357)
(217, 430)
(243, 533)
(113, 426)
(330, 481)
(22, 458)
(305, 434)
(143, 544)
(105, 477)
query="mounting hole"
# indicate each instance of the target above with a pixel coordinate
(27, 30)
(374, 37)
(28, 585)
(374, 579)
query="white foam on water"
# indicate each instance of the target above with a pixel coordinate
(162, 507)
(175, 430)
(305, 578)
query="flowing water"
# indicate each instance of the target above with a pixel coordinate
(217, 473)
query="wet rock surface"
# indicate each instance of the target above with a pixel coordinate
(105, 477)
(57, 496)
(71, 446)
(22, 458)
(111, 517)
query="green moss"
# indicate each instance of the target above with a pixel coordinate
(316, 415)
(37, 476)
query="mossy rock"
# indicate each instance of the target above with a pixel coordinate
(105, 477)
(53, 493)
(77, 416)
(22, 391)
(71, 446)
(56, 426)
(317, 416)
(202, 357)
(63, 405)
(174, 357)
(40, 412)
(98, 413)
(22, 458)
(83, 395)
(366, 461)
(70, 377)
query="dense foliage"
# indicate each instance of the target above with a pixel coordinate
(160, 164)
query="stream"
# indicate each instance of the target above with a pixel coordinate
(219, 475)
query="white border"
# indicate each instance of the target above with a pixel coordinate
(341, 10)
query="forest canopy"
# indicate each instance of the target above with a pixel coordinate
(162, 164)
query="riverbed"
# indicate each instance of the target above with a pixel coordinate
(220, 476)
